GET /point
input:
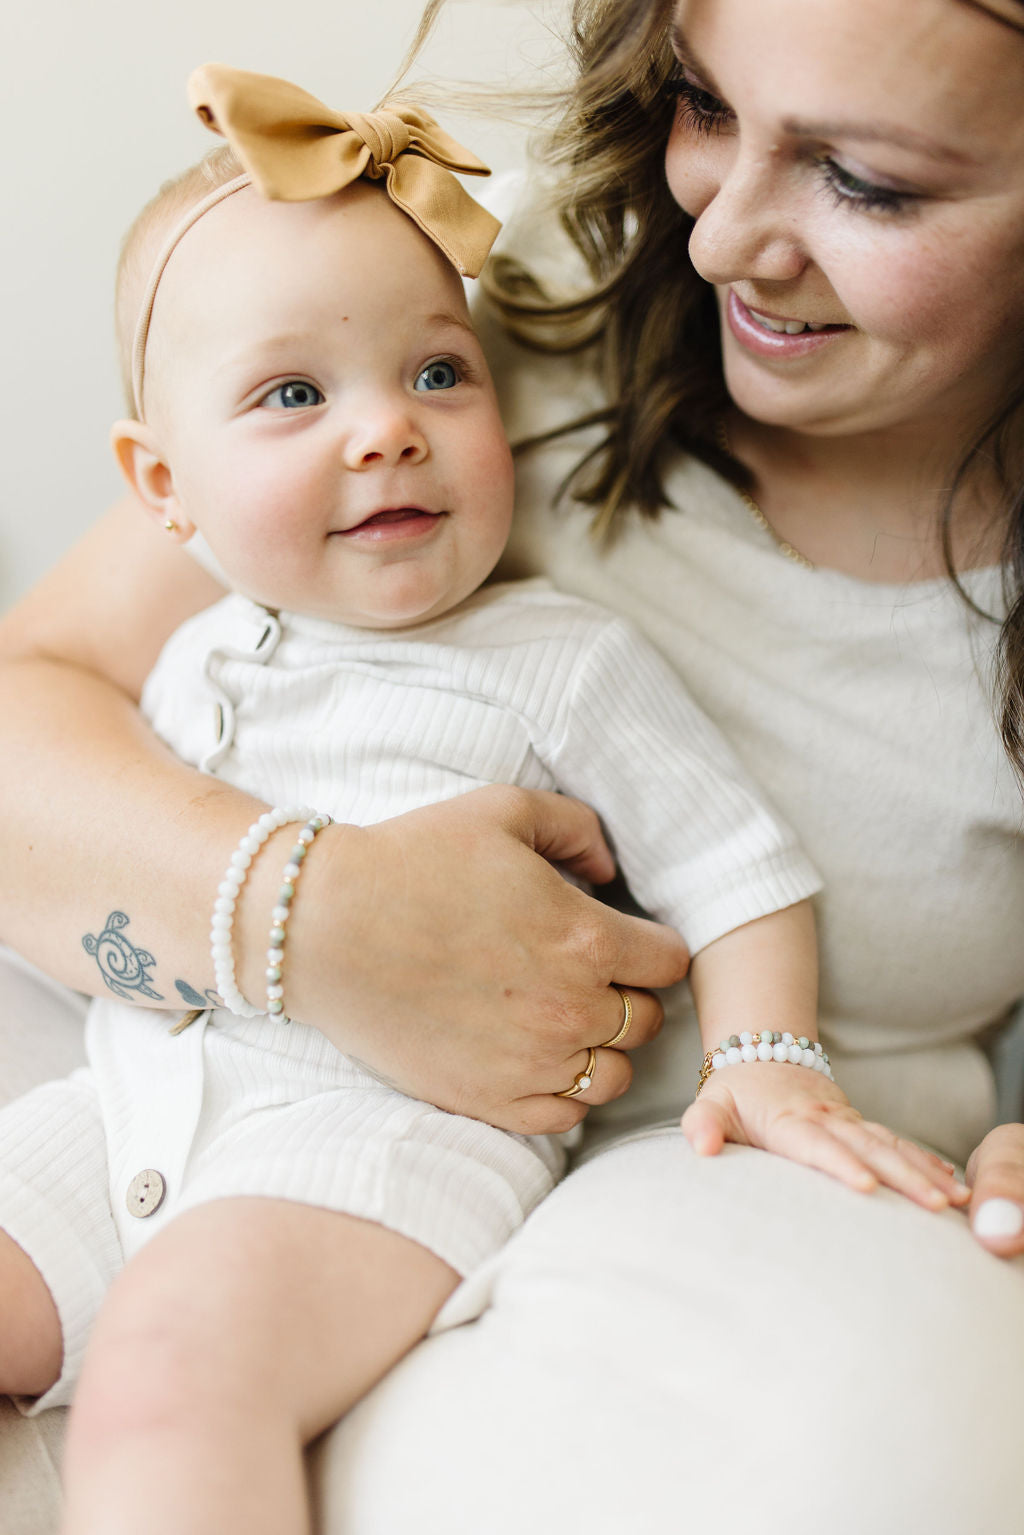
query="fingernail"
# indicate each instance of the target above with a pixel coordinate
(998, 1218)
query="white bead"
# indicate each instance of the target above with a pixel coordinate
(251, 844)
(816, 1047)
(746, 1038)
(807, 1058)
(275, 956)
(819, 1064)
(224, 903)
(733, 1056)
(794, 1054)
(788, 1039)
(222, 922)
(280, 914)
(305, 836)
(718, 1060)
(779, 1052)
(748, 1052)
(274, 992)
(290, 872)
(240, 859)
(764, 1052)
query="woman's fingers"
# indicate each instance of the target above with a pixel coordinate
(563, 830)
(636, 1018)
(600, 1080)
(995, 1174)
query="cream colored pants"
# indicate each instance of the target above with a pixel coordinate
(736, 1346)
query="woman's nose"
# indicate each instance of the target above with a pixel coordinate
(383, 433)
(743, 228)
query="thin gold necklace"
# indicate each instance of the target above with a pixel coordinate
(755, 511)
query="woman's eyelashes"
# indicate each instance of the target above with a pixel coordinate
(850, 191)
(702, 113)
(699, 110)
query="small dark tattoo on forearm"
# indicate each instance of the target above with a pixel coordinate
(193, 998)
(124, 968)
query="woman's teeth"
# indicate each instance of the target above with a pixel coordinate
(789, 327)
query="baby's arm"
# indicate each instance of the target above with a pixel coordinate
(763, 977)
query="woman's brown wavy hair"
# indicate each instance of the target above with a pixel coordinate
(654, 320)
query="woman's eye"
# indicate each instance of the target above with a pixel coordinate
(852, 191)
(437, 375)
(699, 110)
(296, 394)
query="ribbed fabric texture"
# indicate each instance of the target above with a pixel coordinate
(521, 685)
(54, 1202)
(864, 711)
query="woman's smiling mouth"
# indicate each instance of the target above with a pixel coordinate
(774, 335)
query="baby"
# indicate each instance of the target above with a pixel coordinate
(252, 1228)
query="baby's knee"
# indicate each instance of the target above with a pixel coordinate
(31, 1345)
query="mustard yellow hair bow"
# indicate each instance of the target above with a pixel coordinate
(295, 148)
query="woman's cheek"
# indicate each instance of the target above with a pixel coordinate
(688, 173)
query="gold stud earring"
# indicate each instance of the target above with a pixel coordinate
(170, 526)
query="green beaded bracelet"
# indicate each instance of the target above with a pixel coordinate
(281, 913)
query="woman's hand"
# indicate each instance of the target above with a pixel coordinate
(799, 1114)
(443, 952)
(995, 1176)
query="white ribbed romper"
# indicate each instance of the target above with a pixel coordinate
(520, 685)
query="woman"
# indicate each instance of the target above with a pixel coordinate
(735, 1343)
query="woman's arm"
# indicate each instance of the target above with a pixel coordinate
(438, 947)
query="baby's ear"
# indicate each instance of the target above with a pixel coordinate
(149, 475)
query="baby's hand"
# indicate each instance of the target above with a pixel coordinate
(800, 1114)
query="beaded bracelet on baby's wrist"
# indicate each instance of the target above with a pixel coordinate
(769, 1045)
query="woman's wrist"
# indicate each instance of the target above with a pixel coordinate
(320, 952)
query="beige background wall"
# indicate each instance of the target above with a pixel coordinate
(93, 117)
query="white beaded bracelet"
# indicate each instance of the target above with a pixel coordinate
(745, 1048)
(223, 918)
(282, 911)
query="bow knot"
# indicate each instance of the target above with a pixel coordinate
(385, 135)
(295, 148)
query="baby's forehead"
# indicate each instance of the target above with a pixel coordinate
(253, 275)
(355, 233)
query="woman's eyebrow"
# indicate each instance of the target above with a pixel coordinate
(798, 127)
(685, 54)
(876, 132)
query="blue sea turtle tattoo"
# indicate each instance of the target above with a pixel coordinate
(123, 967)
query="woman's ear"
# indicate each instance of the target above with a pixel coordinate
(149, 476)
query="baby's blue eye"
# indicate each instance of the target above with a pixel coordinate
(296, 394)
(437, 375)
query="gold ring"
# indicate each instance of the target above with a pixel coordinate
(583, 1078)
(627, 1019)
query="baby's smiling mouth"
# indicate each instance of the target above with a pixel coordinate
(397, 519)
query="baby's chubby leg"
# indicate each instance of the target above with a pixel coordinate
(30, 1333)
(233, 1339)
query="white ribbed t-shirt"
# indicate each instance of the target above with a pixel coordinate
(865, 713)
